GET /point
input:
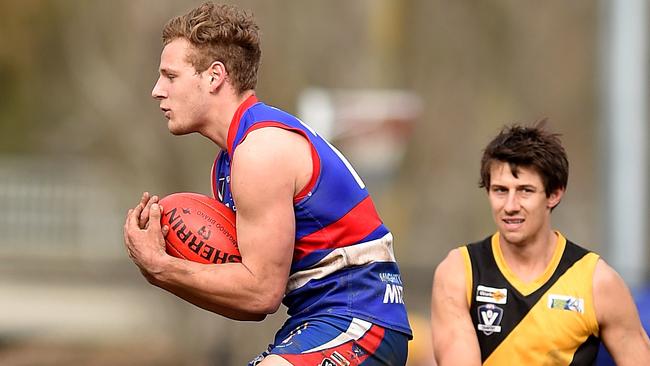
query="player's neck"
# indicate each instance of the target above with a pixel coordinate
(528, 260)
(221, 114)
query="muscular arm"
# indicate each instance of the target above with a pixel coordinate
(267, 167)
(620, 327)
(453, 334)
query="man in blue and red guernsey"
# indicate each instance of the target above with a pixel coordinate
(308, 232)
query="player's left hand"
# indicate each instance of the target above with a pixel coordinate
(146, 201)
(145, 244)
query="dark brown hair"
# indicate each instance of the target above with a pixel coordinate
(220, 33)
(530, 147)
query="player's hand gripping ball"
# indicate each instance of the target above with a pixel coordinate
(201, 229)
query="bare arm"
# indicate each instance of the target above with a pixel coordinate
(454, 338)
(264, 178)
(620, 327)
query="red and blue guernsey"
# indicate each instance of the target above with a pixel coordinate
(343, 262)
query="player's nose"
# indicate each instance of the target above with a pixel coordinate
(512, 203)
(158, 92)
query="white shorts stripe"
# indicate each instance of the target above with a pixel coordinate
(355, 331)
(378, 250)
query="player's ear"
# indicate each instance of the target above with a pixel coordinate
(555, 197)
(216, 74)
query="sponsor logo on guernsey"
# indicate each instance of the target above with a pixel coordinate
(394, 289)
(339, 359)
(491, 294)
(489, 318)
(563, 302)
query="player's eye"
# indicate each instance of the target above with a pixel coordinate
(168, 75)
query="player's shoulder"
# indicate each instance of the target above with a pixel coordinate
(264, 113)
(450, 277)
(270, 142)
(269, 155)
(606, 279)
(452, 264)
(608, 285)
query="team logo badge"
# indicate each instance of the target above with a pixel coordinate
(491, 294)
(357, 351)
(563, 302)
(489, 318)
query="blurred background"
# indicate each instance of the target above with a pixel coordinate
(411, 91)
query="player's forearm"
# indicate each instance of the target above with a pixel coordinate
(227, 289)
(212, 307)
(454, 343)
(457, 354)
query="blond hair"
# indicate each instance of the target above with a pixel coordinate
(223, 33)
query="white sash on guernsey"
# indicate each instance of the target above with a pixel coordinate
(378, 250)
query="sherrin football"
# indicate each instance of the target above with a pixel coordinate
(201, 229)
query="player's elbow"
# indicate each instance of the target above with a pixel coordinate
(246, 317)
(269, 305)
(266, 302)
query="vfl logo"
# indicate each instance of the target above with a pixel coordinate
(221, 188)
(491, 295)
(489, 318)
(221, 192)
(563, 302)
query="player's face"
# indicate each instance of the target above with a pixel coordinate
(182, 91)
(519, 204)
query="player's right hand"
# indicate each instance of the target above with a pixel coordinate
(146, 246)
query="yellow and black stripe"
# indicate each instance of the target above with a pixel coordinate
(549, 321)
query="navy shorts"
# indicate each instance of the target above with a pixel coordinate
(333, 341)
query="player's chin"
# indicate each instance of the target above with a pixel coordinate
(176, 128)
(515, 238)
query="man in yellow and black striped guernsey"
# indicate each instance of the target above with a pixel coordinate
(527, 295)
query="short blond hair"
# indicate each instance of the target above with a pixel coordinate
(223, 33)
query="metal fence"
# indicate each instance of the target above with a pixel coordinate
(63, 208)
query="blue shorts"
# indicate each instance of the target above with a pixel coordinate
(333, 341)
